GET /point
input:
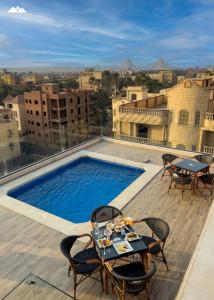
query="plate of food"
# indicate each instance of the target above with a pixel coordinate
(122, 247)
(110, 226)
(102, 243)
(132, 236)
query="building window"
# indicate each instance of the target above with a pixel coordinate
(72, 111)
(72, 121)
(133, 97)
(31, 112)
(38, 124)
(29, 131)
(39, 134)
(37, 113)
(36, 102)
(46, 125)
(180, 147)
(79, 111)
(46, 135)
(32, 122)
(30, 101)
(78, 100)
(86, 100)
(193, 147)
(28, 121)
(26, 101)
(10, 105)
(44, 113)
(183, 117)
(71, 100)
(86, 110)
(197, 118)
(27, 111)
(43, 102)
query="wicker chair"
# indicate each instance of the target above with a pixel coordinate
(132, 278)
(206, 159)
(104, 214)
(180, 181)
(167, 160)
(208, 182)
(156, 242)
(84, 263)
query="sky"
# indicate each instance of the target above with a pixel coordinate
(86, 33)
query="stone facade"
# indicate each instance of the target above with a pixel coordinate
(179, 117)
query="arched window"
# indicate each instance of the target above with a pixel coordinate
(180, 147)
(183, 117)
(133, 97)
(197, 118)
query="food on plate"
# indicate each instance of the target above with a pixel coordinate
(110, 226)
(104, 243)
(128, 221)
(117, 228)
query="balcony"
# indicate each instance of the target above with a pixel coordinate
(208, 150)
(140, 140)
(209, 121)
(144, 115)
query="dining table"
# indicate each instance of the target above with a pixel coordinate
(111, 252)
(193, 167)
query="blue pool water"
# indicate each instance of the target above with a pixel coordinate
(73, 191)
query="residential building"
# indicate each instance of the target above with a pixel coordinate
(164, 76)
(57, 118)
(9, 137)
(31, 78)
(180, 117)
(90, 79)
(17, 104)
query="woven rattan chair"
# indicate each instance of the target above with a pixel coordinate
(104, 214)
(156, 241)
(180, 181)
(167, 163)
(83, 263)
(208, 182)
(132, 278)
(206, 159)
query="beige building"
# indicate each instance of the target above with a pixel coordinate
(31, 78)
(90, 79)
(57, 118)
(9, 137)
(17, 104)
(164, 76)
(179, 117)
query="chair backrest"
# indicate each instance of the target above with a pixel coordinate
(168, 158)
(207, 178)
(134, 283)
(105, 213)
(205, 158)
(159, 227)
(66, 245)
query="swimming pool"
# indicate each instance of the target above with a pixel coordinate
(73, 191)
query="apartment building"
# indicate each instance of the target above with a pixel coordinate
(9, 137)
(55, 118)
(164, 76)
(90, 79)
(17, 105)
(180, 117)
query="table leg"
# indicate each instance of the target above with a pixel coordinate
(106, 280)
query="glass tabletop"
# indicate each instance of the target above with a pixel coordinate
(191, 165)
(112, 252)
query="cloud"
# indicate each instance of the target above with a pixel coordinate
(3, 40)
(184, 42)
(17, 10)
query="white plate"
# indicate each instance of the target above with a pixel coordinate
(122, 247)
(134, 238)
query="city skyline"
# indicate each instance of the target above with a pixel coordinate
(88, 33)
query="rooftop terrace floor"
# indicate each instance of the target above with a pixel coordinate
(30, 247)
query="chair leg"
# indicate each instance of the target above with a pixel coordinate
(147, 293)
(164, 260)
(101, 277)
(69, 271)
(170, 186)
(75, 284)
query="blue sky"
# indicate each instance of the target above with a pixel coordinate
(105, 32)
